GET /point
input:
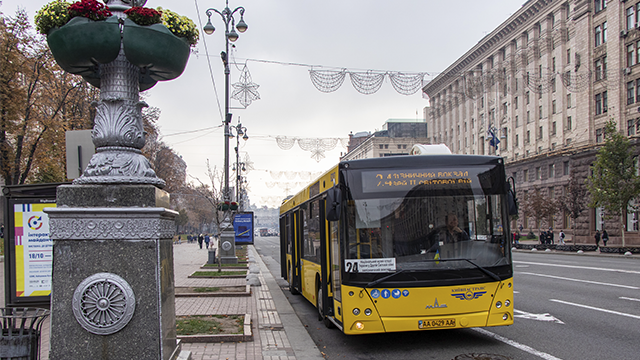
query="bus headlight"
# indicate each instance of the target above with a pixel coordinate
(507, 303)
(498, 305)
(367, 312)
(505, 317)
(359, 326)
(356, 311)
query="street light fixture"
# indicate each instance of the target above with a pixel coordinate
(230, 35)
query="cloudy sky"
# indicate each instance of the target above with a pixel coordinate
(285, 40)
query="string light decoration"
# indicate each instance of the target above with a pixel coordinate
(245, 91)
(317, 146)
(368, 82)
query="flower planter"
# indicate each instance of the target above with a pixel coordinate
(82, 44)
(159, 54)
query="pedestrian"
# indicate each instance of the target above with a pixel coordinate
(605, 237)
(189, 239)
(207, 239)
(520, 227)
(550, 236)
(543, 237)
(597, 236)
(561, 237)
(200, 240)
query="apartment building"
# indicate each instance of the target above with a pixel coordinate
(538, 91)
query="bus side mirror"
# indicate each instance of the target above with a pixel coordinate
(334, 196)
(512, 201)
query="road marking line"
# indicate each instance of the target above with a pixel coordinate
(539, 317)
(579, 267)
(597, 309)
(628, 298)
(517, 345)
(578, 280)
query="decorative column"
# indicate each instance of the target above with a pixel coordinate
(113, 280)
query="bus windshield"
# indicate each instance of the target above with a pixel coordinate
(430, 220)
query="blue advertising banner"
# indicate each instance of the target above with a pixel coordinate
(243, 226)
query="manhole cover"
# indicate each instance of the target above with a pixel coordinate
(481, 357)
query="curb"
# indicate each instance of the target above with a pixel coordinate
(247, 292)
(218, 277)
(585, 254)
(246, 336)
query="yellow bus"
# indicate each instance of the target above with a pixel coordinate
(404, 243)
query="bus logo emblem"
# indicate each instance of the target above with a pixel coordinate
(469, 295)
(436, 305)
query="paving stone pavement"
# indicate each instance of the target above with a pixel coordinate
(271, 338)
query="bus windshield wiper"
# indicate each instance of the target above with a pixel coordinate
(376, 282)
(487, 272)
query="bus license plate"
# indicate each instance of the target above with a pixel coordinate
(436, 324)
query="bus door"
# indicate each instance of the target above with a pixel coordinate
(284, 246)
(325, 263)
(296, 249)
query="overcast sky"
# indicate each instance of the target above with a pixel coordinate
(285, 38)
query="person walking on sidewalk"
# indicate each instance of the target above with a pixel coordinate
(207, 239)
(605, 237)
(561, 237)
(597, 237)
(200, 240)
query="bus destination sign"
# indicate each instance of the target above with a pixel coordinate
(398, 180)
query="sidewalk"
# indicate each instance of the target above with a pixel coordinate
(277, 330)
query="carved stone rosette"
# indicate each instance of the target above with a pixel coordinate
(103, 303)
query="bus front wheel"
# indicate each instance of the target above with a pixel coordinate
(327, 323)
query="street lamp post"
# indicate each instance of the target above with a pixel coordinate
(230, 35)
(240, 131)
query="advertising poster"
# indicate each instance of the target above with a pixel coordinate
(243, 226)
(33, 250)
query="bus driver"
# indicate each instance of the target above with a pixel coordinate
(451, 232)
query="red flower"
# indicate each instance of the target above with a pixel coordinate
(91, 9)
(144, 16)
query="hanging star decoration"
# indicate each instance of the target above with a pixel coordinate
(245, 90)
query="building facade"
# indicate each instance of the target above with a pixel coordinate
(538, 91)
(397, 137)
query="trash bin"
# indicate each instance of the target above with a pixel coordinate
(20, 337)
(212, 256)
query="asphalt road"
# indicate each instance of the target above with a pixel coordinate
(566, 306)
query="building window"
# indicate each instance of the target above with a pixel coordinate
(631, 55)
(517, 121)
(553, 84)
(599, 135)
(568, 56)
(601, 103)
(552, 170)
(569, 125)
(538, 173)
(540, 132)
(604, 67)
(631, 92)
(553, 107)
(515, 102)
(631, 17)
(553, 65)
(601, 34)
(631, 127)
(540, 112)
(386, 146)
(598, 68)
(568, 101)
(381, 146)
(600, 5)
(517, 143)
(528, 116)
(637, 90)
(528, 137)
(553, 128)
(527, 98)
(565, 168)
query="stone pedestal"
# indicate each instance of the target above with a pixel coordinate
(113, 286)
(227, 247)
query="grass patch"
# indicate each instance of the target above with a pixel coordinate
(225, 265)
(209, 325)
(218, 273)
(205, 289)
